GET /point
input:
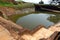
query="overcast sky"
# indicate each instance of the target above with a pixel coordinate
(37, 1)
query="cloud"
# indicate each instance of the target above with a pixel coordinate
(37, 1)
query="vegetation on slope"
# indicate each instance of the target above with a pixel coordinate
(18, 6)
(16, 16)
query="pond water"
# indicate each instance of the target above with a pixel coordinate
(33, 20)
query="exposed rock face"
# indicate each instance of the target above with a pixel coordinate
(11, 31)
(44, 34)
(10, 10)
(55, 27)
(9, 24)
(7, 10)
(11, 27)
(5, 34)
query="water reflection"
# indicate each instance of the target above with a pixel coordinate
(32, 20)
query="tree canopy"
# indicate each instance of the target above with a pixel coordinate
(41, 2)
(55, 2)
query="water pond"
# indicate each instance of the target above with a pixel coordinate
(33, 20)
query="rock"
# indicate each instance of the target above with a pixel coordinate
(5, 34)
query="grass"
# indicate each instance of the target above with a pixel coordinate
(18, 6)
(16, 16)
(23, 5)
(6, 4)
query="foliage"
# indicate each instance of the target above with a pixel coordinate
(55, 18)
(41, 2)
(18, 6)
(24, 5)
(55, 2)
(19, 0)
(8, 4)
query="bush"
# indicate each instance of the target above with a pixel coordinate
(24, 5)
(6, 4)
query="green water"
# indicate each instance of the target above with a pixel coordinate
(31, 21)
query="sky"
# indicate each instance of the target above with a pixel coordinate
(37, 1)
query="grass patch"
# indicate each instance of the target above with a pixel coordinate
(6, 4)
(16, 16)
(18, 6)
(24, 5)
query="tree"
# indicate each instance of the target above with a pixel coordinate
(19, 1)
(55, 2)
(59, 2)
(41, 2)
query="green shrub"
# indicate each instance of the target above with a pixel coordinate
(6, 4)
